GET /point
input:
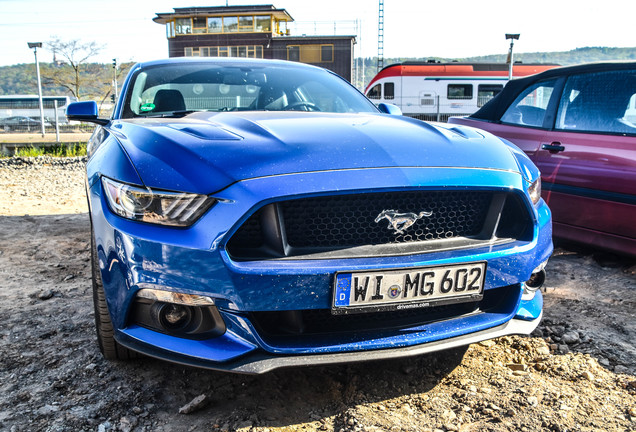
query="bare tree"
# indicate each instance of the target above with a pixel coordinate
(71, 61)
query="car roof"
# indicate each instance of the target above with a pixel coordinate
(494, 109)
(228, 61)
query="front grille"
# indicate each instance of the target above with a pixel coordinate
(355, 222)
(250, 236)
(347, 221)
(321, 321)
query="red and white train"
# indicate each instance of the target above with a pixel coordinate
(436, 91)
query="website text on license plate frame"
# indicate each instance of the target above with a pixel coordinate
(407, 288)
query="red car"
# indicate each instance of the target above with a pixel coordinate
(578, 125)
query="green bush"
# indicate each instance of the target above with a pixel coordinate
(60, 150)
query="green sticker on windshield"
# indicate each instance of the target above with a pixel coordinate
(147, 107)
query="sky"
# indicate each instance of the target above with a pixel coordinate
(412, 28)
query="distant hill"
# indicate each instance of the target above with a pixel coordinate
(18, 79)
(566, 58)
(21, 79)
(563, 58)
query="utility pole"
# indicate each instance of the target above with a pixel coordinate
(381, 35)
(35, 46)
(362, 71)
(115, 80)
(511, 61)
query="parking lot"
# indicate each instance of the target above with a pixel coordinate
(575, 373)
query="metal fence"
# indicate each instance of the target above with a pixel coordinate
(22, 125)
(430, 107)
(442, 118)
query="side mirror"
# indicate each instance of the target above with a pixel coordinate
(86, 112)
(390, 109)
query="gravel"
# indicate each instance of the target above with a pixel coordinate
(575, 373)
(41, 185)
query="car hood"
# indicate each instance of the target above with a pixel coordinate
(205, 152)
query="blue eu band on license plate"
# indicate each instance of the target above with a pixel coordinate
(408, 288)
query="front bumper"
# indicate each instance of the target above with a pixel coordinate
(194, 261)
(259, 362)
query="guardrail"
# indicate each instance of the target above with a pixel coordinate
(10, 142)
(48, 128)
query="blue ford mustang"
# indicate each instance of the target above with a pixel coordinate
(254, 214)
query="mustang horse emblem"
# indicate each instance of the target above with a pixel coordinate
(400, 222)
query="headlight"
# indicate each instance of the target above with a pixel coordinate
(158, 207)
(535, 190)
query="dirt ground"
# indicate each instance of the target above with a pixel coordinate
(576, 373)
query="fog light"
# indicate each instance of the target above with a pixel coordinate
(536, 281)
(177, 314)
(173, 316)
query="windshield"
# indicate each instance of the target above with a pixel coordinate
(177, 89)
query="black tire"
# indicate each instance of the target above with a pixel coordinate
(110, 348)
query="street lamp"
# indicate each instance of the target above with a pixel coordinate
(114, 98)
(35, 46)
(512, 38)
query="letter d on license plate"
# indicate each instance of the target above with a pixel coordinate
(408, 288)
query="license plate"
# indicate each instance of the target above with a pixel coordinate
(408, 288)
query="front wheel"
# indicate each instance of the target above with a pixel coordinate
(109, 347)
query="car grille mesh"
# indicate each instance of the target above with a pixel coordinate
(346, 224)
(250, 235)
(347, 221)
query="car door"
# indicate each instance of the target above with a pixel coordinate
(527, 119)
(588, 162)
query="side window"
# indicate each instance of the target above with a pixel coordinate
(485, 92)
(326, 53)
(293, 53)
(215, 24)
(460, 91)
(389, 90)
(230, 24)
(183, 26)
(529, 109)
(600, 102)
(630, 114)
(375, 92)
(199, 25)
